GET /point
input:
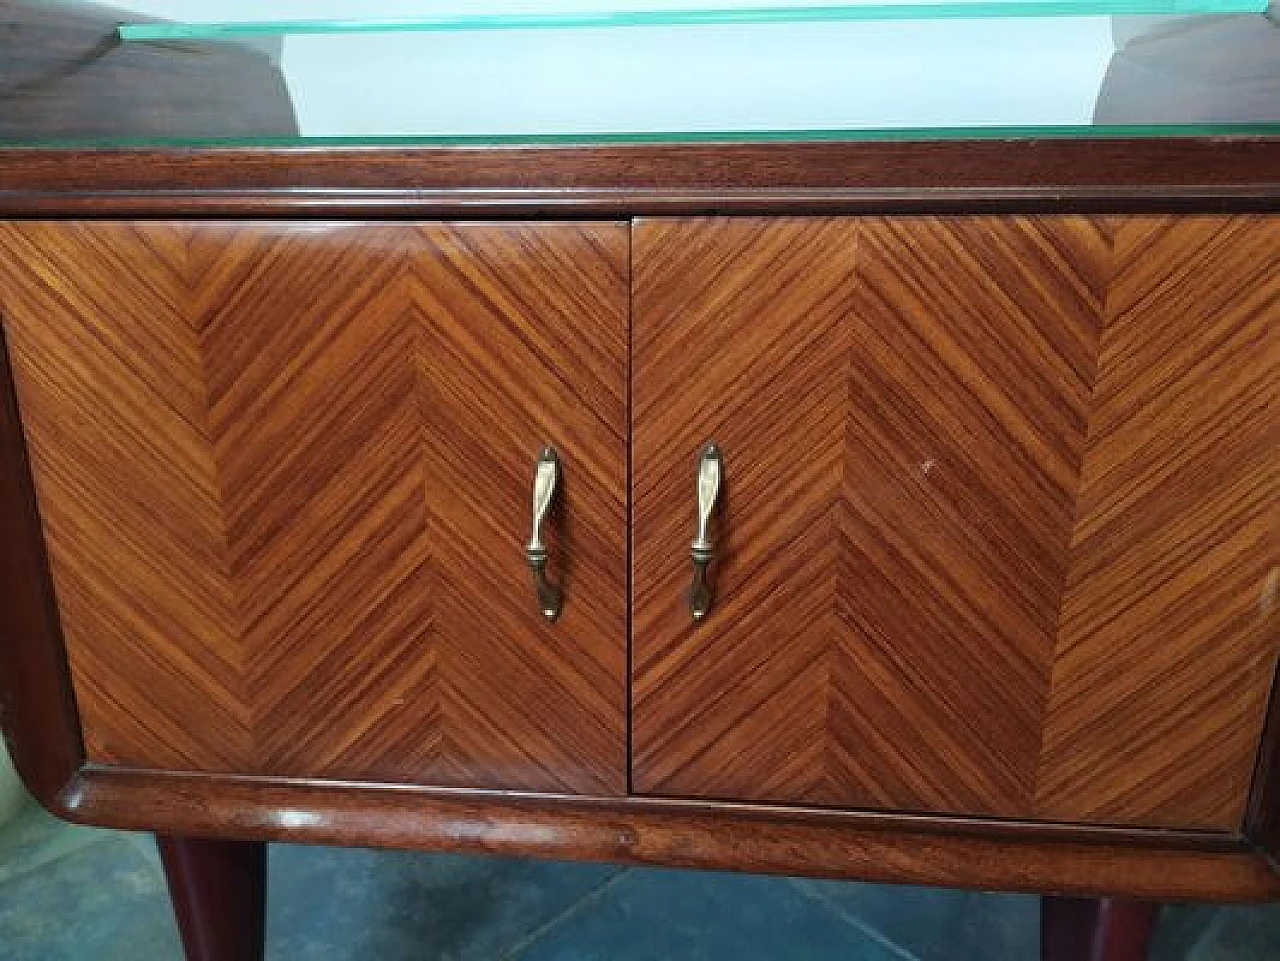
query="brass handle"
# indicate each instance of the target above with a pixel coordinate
(710, 469)
(546, 481)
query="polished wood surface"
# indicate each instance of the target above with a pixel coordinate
(219, 895)
(902, 416)
(966, 852)
(41, 722)
(37, 708)
(621, 180)
(65, 75)
(1088, 929)
(933, 431)
(284, 473)
(1168, 636)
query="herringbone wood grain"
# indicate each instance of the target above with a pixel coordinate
(995, 530)
(997, 534)
(284, 473)
(1166, 648)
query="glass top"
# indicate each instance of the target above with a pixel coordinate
(138, 72)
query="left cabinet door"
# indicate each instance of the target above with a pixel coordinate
(285, 476)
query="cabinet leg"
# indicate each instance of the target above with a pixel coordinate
(1095, 929)
(218, 889)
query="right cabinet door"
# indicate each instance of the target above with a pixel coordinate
(994, 533)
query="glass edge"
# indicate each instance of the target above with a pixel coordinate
(910, 10)
(904, 134)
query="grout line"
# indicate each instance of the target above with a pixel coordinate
(853, 921)
(511, 952)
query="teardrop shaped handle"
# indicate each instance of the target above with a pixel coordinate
(710, 474)
(546, 482)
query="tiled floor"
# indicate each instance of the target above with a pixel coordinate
(75, 893)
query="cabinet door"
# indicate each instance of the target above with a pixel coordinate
(994, 525)
(285, 476)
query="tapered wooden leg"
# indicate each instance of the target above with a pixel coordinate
(219, 894)
(1095, 929)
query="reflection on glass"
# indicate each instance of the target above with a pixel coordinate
(601, 14)
(66, 77)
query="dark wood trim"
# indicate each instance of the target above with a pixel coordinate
(1059, 859)
(933, 824)
(219, 895)
(1121, 174)
(1262, 822)
(603, 203)
(1091, 929)
(37, 707)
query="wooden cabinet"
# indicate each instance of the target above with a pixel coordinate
(993, 570)
(993, 551)
(996, 535)
(284, 474)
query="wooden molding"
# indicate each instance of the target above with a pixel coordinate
(578, 180)
(1020, 856)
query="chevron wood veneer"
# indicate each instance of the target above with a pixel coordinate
(995, 529)
(284, 473)
(997, 534)
(1168, 633)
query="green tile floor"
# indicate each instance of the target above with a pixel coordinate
(78, 894)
